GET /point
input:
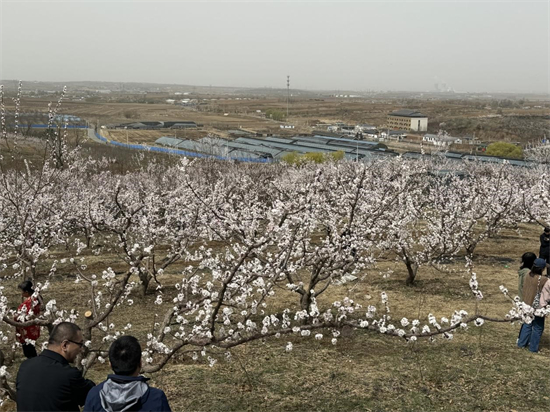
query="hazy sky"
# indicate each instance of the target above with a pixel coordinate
(381, 45)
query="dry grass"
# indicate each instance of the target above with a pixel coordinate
(480, 369)
(460, 117)
(150, 136)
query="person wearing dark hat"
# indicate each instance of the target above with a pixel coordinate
(534, 284)
(544, 252)
(28, 309)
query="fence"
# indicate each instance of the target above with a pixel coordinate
(45, 126)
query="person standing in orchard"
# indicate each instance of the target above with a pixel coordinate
(533, 286)
(47, 382)
(28, 309)
(527, 260)
(126, 389)
(544, 252)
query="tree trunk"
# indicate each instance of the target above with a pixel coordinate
(31, 274)
(305, 303)
(411, 269)
(86, 336)
(144, 278)
(88, 237)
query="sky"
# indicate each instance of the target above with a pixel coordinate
(481, 46)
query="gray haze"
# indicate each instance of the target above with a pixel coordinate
(469, 46)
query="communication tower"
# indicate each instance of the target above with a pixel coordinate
(287, 94)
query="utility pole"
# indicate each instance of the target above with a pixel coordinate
(287, 94)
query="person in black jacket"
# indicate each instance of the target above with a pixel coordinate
(125, 390)
(544, 252)
(48, 382)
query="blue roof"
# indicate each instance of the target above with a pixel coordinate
(337, 139)
(168, 141)
(263, 149)
(285, 146)
(278, 139)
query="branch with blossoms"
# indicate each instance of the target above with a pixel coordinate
(118, 292)
(48, 316)
(188, 323)
(330, 321)
(521, 310)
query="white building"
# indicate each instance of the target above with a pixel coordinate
(367, 131)
(362, 128)
(441, 139)
(393, 135)
(347, 130)
(406, 119)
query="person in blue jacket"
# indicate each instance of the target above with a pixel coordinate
(126, 390)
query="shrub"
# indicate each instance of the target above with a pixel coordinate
(503, 149)
(339, 155)
(314, 157)
(275, 114)
(295, 158)
(291, 158)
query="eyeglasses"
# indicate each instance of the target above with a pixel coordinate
(80, 344)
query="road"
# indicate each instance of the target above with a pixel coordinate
(92, 136)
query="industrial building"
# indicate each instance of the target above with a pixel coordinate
(151, 125)
(275, 147)
(407, 119)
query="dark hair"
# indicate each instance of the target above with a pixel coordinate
(547, 229)
(125, 355)
(63, 331)
(527, 260)
(26, 286)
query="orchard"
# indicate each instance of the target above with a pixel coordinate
(198, 258)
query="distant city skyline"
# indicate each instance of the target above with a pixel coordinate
(419, 46)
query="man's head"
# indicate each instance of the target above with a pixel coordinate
(66, 339)
(547, 230)
(125, 356)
